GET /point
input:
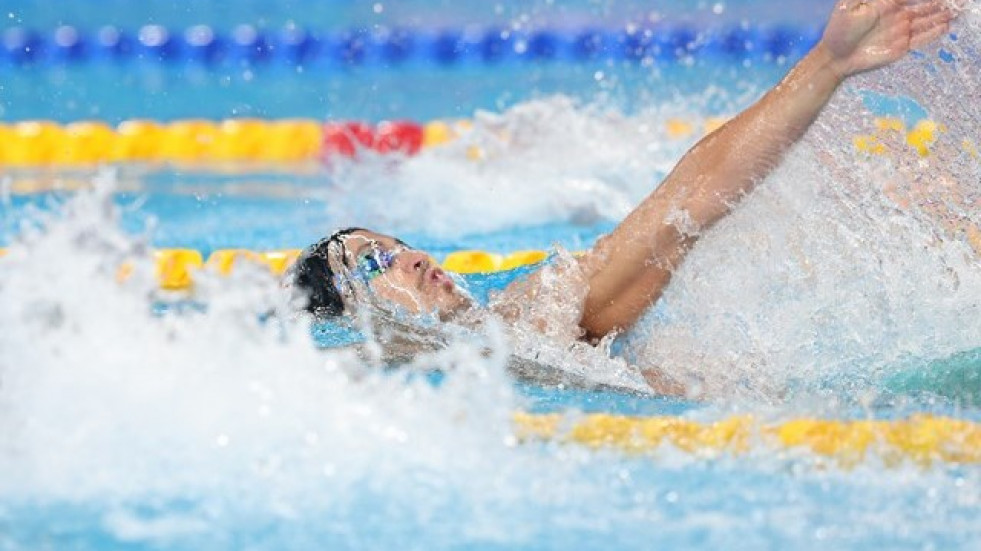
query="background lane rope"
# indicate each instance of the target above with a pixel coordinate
(41, 143)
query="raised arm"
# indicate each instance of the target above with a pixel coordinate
(629, 268)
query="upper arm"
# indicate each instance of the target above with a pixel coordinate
(610, 286)
(628, 269)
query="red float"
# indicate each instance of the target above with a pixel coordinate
(398, 136)
(346, 139)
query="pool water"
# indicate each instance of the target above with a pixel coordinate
(843, 288)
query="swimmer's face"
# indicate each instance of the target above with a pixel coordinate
(395, 272)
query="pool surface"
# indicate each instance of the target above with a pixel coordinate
(819, 328)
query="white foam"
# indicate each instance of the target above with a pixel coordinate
(838, 270)
(542, 161)
(101, 398)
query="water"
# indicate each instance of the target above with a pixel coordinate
(858, 296)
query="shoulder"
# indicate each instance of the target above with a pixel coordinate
(550, 299)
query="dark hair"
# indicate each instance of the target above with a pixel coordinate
(313, 275)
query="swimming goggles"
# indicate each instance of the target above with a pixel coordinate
(371, 263)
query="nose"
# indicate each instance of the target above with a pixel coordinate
(413, 261)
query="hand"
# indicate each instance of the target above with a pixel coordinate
(866, 34)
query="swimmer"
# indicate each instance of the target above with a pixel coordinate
(608, 288)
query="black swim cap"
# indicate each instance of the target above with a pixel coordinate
(313, 275)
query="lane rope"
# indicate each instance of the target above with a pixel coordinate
(920, 439)
(176, 268)
(39, 143)
(247, 45)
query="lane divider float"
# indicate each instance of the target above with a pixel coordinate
(891, 132)
(39, 143)
(246, 45)
(920, 439)
(175, 268)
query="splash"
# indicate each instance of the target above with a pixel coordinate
(101, 399)
(543, 160)
(841, 270)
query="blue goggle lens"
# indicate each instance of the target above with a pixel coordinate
(374, 263)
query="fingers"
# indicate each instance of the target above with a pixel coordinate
(923, 24)
(925, 9)
(931, 8)
(928, 35)
(931, 22)
(928, 20)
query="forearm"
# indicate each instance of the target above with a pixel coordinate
(703, 188)
(731, 161)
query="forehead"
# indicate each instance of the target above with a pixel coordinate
(352, 244)
(355, 240)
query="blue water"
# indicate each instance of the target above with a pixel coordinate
(211, 221)
(100, 88)
(643, 505)
(114, 93)
(348, 13)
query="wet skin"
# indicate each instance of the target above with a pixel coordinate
(413, 281)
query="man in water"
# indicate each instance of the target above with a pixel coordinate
(609, 287)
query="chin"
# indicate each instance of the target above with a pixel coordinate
(454, 306)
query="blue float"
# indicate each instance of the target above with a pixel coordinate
(249, 45)
(780, 41)
(67, 45)
(202, 45)
(738, 42)
(396, 45)
(155, 42)
(448, 47)
(114, 44)
(22, 46)
(496, 45)
(591, 44)
(673, 43)
(637, 43)
(684, 40)
(352, 47)
(543, 46)
(297, 46)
